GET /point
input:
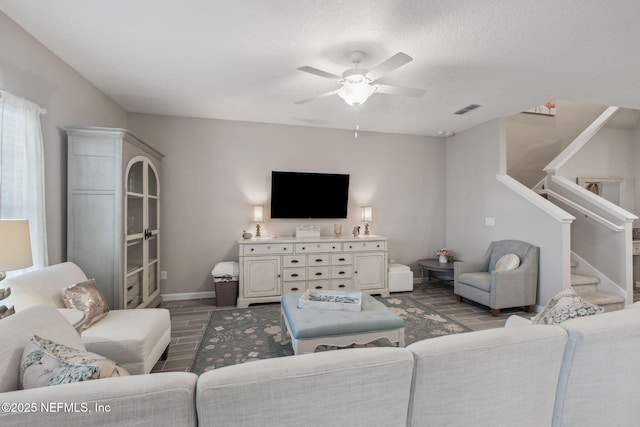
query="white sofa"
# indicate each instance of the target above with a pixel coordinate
(153, 399)
(136, 339)
(580, 373)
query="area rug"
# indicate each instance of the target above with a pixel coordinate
(242, 335)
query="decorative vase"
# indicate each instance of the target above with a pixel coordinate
(443, 259)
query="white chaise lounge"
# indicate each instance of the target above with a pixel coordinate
(136, 339)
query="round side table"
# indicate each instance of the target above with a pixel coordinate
(444, 270)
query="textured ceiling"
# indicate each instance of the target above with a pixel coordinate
(237, 60)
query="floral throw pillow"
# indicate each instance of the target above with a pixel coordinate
(46, 363)
(565, 305)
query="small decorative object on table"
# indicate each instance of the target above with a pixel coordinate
(246, 235)
(308, 231)
(331, 300)
(443, 255)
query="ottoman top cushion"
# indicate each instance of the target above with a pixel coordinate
(313, 323)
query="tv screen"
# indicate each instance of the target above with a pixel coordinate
(309, 195)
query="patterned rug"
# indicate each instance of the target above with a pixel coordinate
(242, 335)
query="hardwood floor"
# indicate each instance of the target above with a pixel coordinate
(189, 320)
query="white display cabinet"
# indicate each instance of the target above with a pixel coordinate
(113, 216)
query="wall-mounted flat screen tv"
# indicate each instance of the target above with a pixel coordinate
(309, 195)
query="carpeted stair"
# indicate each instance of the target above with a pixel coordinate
(587, 288)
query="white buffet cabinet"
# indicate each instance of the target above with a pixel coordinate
(271, 267)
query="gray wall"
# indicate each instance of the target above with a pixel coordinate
(215, 170)
(474, 157)
(29, 70)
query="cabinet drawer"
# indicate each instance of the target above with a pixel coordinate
(365, 246)
(292, 274)
(320, 259)
(318, 284)
(317, 247)
(294, 261)
(264, 249)
(342, 284)
(341, 271)
(341, 259)
(317, 273)
(289, 287)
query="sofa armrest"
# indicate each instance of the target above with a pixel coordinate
(158, 399)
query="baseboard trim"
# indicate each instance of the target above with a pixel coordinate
(188, 296)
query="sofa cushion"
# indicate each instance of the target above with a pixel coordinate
(565, 305)
(480, 280)
(45, 363)
(134, 339)
(42, 287)
(85, 296)
(508, 262)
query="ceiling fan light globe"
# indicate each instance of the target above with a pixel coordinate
(356, 94)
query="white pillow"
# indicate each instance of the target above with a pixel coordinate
(508, 262)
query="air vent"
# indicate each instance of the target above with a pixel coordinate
(466, 109)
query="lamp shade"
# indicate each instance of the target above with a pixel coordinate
(356, 93)
(15, 244)
(257, 213)
(367, 213)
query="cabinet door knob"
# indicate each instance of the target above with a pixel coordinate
(341, 272)
(341, 286)
(318, 259)
(294, 289)
(295, 275)
(303, 248)
(294, 261)
(341, 259)
(318, 287)
(318, 274)
(251, 249)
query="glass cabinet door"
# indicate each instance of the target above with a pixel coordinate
(142, 249)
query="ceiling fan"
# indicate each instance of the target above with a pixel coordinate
(358, 84)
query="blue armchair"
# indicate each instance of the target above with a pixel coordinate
(480, 282)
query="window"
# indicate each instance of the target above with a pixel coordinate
(22, 169)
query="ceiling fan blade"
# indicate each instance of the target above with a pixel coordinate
(313, 98)
(397, 90)
(396, 61)
(320, 73)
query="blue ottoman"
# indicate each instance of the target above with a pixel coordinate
(310, 328)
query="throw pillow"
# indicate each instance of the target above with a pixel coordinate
(565, 305)
(507, 262)
(86, 296)
(45, 363)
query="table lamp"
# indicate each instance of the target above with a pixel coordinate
(257, 218)
(367, 217)
(15, 253)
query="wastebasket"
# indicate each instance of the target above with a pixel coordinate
(226, 292)
(225, 280)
